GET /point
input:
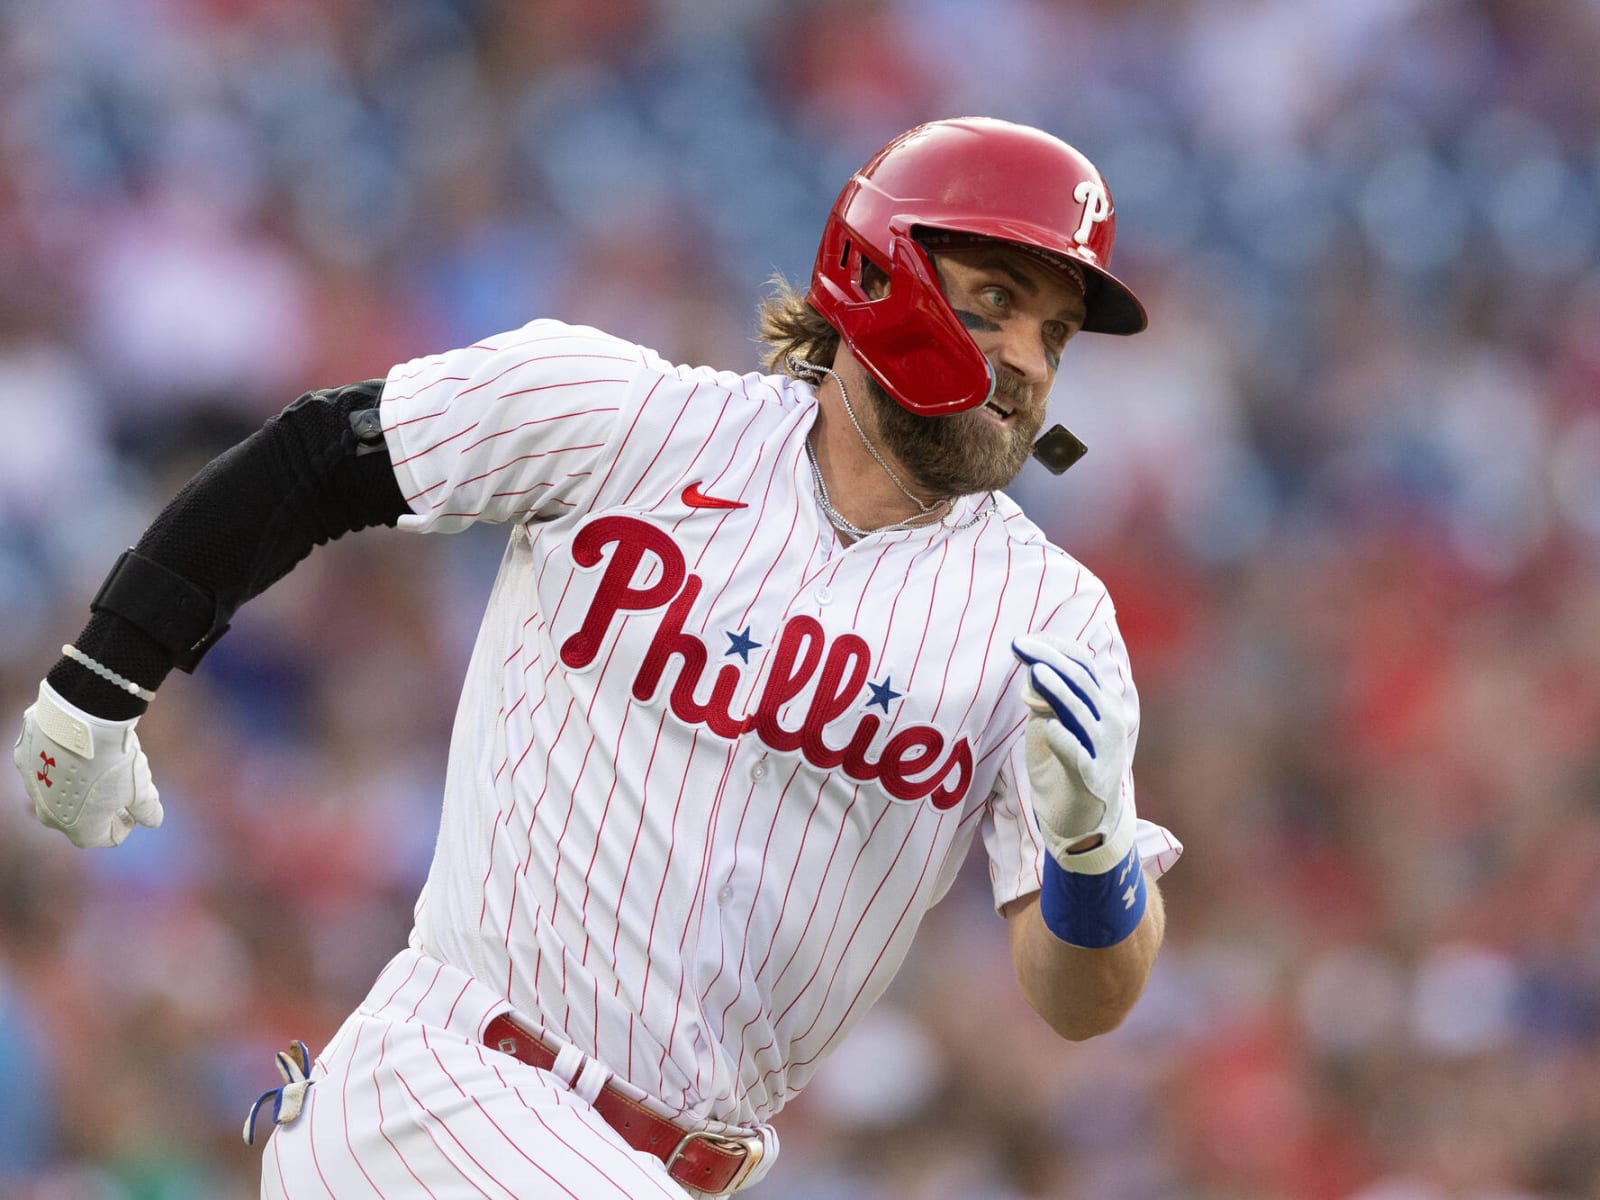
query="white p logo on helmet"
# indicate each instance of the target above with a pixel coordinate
(1096, 208)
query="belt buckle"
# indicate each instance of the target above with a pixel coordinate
(751, 1144)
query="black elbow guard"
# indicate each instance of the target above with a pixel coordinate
(317, 470)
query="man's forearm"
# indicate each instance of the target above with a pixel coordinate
(1083, 993)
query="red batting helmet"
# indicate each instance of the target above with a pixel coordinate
(973, 176)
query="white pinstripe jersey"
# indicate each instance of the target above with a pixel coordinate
(710, 767)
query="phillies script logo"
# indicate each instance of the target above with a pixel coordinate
(914, 764)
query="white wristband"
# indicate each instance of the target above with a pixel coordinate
(106, 673)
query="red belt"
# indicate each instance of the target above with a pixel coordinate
(709, 1162)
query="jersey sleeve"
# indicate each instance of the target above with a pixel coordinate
(1010, 828)
(510, 428)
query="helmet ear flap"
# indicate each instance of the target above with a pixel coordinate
(906, 335)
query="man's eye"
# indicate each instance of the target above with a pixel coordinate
(997, 296)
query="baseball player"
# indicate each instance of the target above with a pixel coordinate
(765, 653)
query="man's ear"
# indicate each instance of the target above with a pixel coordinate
(874, 279)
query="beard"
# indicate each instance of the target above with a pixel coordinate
(962, 453)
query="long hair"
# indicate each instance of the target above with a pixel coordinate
(789, 325)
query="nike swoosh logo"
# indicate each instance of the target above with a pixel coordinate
(695, 498)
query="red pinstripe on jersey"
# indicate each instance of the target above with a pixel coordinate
(751, 710)
(344, 1117)
(377, 1093)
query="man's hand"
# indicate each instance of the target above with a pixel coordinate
(86, 776)
(1078, 752)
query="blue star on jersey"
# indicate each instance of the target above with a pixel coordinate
(741, 643)
(883, 693)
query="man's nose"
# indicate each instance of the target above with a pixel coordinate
(1022, 351)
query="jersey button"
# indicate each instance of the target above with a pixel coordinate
(824, 596)
(759, 771)
(725, 893)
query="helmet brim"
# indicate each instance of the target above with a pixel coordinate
(1110, 304)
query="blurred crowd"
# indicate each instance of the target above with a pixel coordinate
(1345, 492)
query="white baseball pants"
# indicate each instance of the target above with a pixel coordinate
(408, 1102)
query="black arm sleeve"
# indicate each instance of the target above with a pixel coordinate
(241, 524)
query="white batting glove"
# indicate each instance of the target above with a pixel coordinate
(1078, 752)
(86, 776)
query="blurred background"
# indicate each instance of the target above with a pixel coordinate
(1345, 491)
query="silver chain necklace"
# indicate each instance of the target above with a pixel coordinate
(844, 525)
(835, 518)
(799, 364)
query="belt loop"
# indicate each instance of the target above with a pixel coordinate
(567, 1065)
(769, 1155)
(590, 1080)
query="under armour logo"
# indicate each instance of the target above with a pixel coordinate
(1132, 894)
(44, 775)
(1096, 208)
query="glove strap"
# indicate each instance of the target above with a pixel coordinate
(1093, 911)
(62, 723)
